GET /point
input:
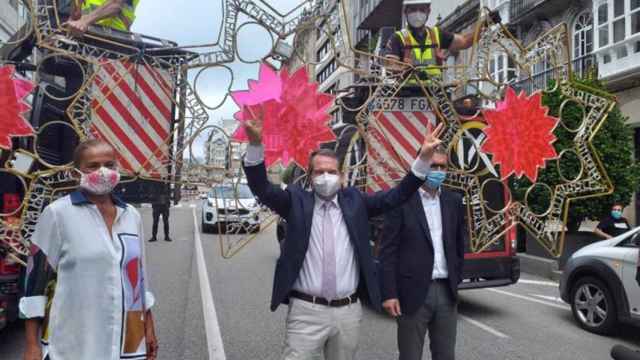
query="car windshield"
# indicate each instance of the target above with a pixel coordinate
(241, 191)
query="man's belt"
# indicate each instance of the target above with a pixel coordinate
(322, 301)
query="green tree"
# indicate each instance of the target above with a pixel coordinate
(614, 146)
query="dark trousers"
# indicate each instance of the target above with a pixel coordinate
(157, 211)
(439, 315)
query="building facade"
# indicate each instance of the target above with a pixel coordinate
(604, 36)
(10, 19)
(321, 48)
(222, 155)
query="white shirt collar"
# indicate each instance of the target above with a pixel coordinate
(320, 201)
(428, 196)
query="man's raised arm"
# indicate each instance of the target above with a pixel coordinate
(271, 195)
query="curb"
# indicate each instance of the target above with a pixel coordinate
(543, 267)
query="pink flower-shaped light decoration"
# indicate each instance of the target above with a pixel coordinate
(294, 114)
(520, 135)
(13, 92)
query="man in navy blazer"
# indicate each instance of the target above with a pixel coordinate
(326, 264)
(421, 257)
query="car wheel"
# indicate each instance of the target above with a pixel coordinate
(206, 228)
(593, 306)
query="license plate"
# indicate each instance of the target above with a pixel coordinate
(402, 104)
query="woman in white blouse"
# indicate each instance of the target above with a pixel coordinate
(86, 294)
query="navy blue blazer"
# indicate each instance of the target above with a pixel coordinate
(406, 250)
(296, 205)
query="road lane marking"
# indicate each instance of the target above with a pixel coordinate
(528, 298)
(549, 298)
(211, 325)
(484, 327)
(193, 206)
(536, 282)
(178, 206)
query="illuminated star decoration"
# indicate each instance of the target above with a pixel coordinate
(520, 135)
(294, 115)
(13, 92)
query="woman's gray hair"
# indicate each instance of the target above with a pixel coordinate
(79, 151)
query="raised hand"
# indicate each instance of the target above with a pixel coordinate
(253, 128)
(431, 141)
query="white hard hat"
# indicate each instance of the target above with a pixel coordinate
(416, 2)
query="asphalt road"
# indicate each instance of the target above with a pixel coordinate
(525, 321)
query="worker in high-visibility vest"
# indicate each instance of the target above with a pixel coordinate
(424, 47)
(116, 14)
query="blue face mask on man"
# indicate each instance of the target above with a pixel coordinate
(616, 214)
(435, 178)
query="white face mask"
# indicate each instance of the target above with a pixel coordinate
(417, 19)
(326, 185)
(99, 182)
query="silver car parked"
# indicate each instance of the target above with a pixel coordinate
(600, 283)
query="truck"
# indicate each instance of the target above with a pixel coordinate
(123, 115)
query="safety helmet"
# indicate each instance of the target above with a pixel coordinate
(416, 2)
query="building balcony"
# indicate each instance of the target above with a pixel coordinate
(580, 67)
(374, 14)
(519, 8)
(529, 10)
(462, 18)
(620, 62)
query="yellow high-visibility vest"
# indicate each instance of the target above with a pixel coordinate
(121, 21)
(422, 57)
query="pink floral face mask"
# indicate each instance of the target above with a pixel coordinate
(99, 182)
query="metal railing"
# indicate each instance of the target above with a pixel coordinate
(520, 7)
(581, 67)
(363, 9)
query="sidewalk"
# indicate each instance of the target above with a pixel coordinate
(537, 261)
(543, 267)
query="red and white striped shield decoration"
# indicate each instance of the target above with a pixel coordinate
(396, 130)
(132, 110)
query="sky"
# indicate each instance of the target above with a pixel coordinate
(197, 23)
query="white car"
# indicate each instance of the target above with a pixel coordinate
(230, 206)
(599, 282)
